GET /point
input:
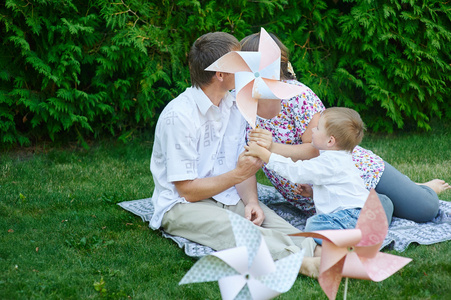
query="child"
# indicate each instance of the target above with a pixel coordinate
(338, 190)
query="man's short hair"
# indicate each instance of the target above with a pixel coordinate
(345, 125)
(205, 51)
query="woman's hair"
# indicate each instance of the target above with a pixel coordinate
(345, 125)
(250, 43)
(206, 50)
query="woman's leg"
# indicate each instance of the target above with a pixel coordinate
(411, 201)
(387, 204)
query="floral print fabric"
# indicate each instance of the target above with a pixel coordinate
(288, 127)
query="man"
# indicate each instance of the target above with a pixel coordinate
(199, 169)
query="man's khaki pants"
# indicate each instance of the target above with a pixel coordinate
(207, 222)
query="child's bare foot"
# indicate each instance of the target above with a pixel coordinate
(318, 251)
(437, 185)
(310, 266)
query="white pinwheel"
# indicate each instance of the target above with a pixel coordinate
(257, 76)
(247, 271)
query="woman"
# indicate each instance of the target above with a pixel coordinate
(285, 127)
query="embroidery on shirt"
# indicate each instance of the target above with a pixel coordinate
(159, 159)
(220, 158)
(190, 166)
(169, 118)
(210, 134)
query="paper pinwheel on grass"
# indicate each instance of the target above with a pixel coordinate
(257, 76)
(354, 253)
(247, 271)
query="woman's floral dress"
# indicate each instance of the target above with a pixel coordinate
(288, 127)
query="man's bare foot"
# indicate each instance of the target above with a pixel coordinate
(310, 266)
(437, 185)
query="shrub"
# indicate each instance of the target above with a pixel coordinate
(90, 68)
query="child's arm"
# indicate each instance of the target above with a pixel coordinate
(253, 149)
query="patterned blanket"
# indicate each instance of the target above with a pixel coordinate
(401, 232)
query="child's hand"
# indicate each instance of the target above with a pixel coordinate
(253, 149)
(305, 190)
(262, 137)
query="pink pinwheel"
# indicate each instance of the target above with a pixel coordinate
(257, 76)
(354, 253)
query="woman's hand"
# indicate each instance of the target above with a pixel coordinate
(305, 190)
(262, 137)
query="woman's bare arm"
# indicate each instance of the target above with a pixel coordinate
(296, 152)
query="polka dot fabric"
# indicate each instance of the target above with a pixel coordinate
(261, 276)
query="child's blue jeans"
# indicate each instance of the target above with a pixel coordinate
(342, 219)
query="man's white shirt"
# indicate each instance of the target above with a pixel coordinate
(194, 139)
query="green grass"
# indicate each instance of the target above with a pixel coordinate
(62, 236)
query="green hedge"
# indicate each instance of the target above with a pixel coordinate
(91, 68)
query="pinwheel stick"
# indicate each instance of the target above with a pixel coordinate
(345, 294)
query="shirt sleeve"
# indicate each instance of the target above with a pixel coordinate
(318, 171)
(178, 138)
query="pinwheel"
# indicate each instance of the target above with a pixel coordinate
(247, 271)
(257, 76)
(354, 253)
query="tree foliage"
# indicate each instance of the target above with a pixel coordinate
(90, 68)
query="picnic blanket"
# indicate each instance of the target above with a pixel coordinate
(401, 232)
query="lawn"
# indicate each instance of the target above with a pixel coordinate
(63, 236)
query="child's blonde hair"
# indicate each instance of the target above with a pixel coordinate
(345, 125)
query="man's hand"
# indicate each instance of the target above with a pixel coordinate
(304, 190)
(254, 213)
(247, 166)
